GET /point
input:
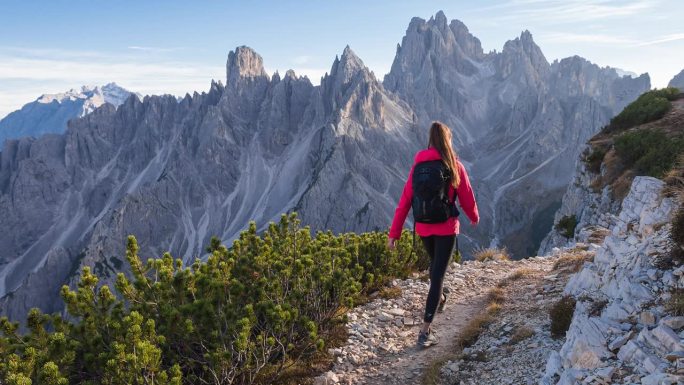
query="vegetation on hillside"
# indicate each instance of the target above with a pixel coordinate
(646, 138)
(649, 152)
(250, 313)
(649, 106)
(566, 226)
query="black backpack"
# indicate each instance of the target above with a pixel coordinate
(430, 184)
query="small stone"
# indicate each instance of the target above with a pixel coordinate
(674, 356)
(605, 373)
(620, 341)
(328, 378)
(675, 323)
(396, 312)
(647, 318)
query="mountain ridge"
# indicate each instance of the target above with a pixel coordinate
(49, 113)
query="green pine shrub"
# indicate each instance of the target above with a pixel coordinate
(246, 315)
(595, 159)
(650, 106)
(566, 226)
(649, 152)
(561, 316)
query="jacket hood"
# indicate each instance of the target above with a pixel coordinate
(427, 155)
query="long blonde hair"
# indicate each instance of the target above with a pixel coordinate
(440, 139)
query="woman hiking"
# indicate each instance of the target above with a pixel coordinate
(436, 179)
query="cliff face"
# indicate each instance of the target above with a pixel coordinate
(619, 324)
(621, 329)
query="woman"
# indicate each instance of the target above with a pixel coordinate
(439, 238)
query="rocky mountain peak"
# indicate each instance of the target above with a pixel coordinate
(439, 20)
(677, 81)
(244, 62)
(468, 43)
(345, 68)
(350, 62)
(523, 52)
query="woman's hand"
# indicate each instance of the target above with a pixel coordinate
(391, 243)
(474, 223)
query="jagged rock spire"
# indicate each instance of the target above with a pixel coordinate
(244, 62)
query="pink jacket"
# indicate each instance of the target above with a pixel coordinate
(464, 192)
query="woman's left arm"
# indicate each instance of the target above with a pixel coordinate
(466, 197)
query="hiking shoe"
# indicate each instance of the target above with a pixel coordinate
(426, 340)
(442, 302)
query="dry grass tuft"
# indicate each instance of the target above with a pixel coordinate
(496, 294)
(492, 254)
(390, 292)
(431, 375)
(476, 326)
(573, 262)
(521, 333)
(675, 305)
(472, 331)
(515, 276)
(493, 308)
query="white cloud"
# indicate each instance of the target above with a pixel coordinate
(154, 49)
(664, 39)
(302, 59)
(565, 37)
(570, 11)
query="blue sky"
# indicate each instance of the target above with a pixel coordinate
(175, 47)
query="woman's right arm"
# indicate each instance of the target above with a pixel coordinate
(402, 208)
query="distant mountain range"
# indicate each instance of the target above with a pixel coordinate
(175, 172)
(51, 112)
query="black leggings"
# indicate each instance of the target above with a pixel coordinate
(439, 248)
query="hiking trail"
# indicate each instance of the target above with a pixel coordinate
(381, 345)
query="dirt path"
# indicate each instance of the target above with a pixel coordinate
(408, 365)
(515, 346)
(381, 348)
(678, 104)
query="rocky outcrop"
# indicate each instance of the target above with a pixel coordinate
(519, 121)
(51, 112)
(594, 212)
(677, 81)
(620, 332)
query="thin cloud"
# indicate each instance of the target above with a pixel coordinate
(564, 11)
(564, 37)
(154, 49)
(664, 39)
(302, 59)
